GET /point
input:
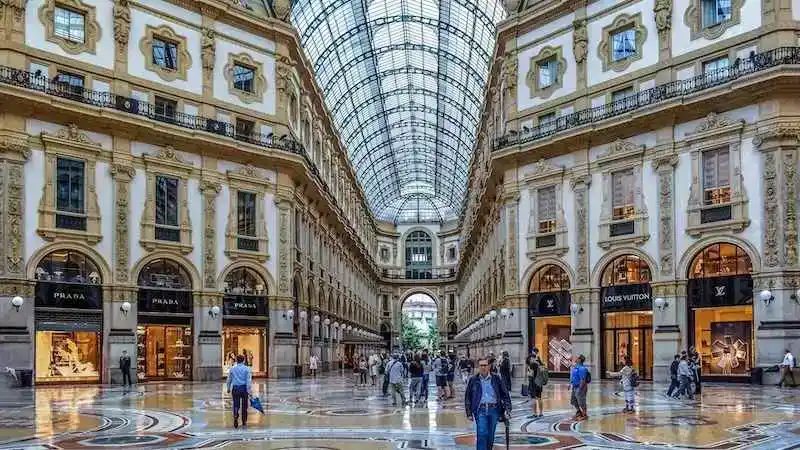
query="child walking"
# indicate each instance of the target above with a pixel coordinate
(629, 379)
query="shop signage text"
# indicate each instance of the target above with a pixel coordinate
(68, 295)
(626, 297)
(549, 303)
(244, 305)
(720, 291)
(157, 300)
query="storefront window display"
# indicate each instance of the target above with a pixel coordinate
(68, 318)
(720, 302)
(63, 356)
(245, 320)
(549, 321)
(165, 308)
(627, 315)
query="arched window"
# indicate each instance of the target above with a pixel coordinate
(68, 266)
(626, 269)
(164, 274)
(244, 281)
(549, 278)
(720, 260)
(419, 255)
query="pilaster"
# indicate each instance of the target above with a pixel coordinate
(580, 187)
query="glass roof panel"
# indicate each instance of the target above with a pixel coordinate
(404, 81)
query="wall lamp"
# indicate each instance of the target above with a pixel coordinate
(576, 308)
(213, 312)
(796, 296)
(125, 308)
(766, 297)
(289, 314)
(506, 313)
(17, 302)
(661, 304)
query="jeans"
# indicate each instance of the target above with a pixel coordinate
(126, 377)
(415, 389)
(578, 399)
(363, 377)
(486, 427)
(239, 394)
(684, 387)
(385, 383)
(424, 391)
(672, 385)
(397, 388)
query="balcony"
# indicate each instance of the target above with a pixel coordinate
(757, 62)
(419, 274)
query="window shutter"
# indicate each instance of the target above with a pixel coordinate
(546, 203)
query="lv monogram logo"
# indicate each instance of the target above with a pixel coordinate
(719, 291)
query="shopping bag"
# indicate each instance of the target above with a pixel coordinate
(255, 403)
(524, 392)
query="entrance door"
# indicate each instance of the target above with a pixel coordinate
(632, 342)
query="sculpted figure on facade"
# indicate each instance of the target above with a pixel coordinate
(122, 25)
(580, 40)
(663, 12)
(208, 50)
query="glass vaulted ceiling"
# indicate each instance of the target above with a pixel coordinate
(404, 81)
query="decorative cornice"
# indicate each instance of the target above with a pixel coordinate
(71, 133)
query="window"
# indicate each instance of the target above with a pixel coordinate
(544, 119)
(165, 108)
(245, 128)
(167, 209)
(165, 54)
(70, 192)
(451, 302)
(547, 72)
(621, 94)
(243, 78)
(385, 302)
(246, 216)
(69, 24)
(716, 177)
(451, 253)
(622, 200)
(715, 12)
(716, 68)
(546, 209)
(623, 44)
(70, 83)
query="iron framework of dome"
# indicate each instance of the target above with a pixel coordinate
(404, 81)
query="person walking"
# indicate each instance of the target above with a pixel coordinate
(374, 362)
(362, 370)
(685, 377)
(786, 369)
(394, 371)
(673, 375)
(125, 368)
(451, 375)
(694, 364)
(313, 364)
(426, 372)
(629, 380)
(466, 369)
(537, 378)
(579, 380)
(415, 388)
(505, 370)
(486, 401)
(440, 371)
(240, 385)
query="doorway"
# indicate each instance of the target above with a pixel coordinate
(628, 334)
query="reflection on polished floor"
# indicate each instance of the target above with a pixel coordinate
(331, 413)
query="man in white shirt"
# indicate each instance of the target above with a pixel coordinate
(395, 371)
(786, 369)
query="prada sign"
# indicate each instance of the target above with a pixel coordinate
(549, 304)
(626, 297)
(720, 291)
(244, 305)
(164, 300)
(69, 295)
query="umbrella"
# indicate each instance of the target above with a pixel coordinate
(255, 403)
(508, 434)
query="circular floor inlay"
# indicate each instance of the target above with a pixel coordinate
(124, 440)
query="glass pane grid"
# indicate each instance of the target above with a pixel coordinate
(404, 80)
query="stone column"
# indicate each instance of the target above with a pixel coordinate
(16, 324)
(120, 326)
(777, 321)
(207, 357)
(284, 343)
(669, 322)
(586, 320)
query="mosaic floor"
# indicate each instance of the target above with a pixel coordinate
(331, 413)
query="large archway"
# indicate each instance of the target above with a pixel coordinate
(419, 322)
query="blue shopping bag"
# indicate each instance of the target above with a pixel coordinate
(255, 403)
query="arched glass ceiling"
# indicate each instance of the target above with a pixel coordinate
(404, 81)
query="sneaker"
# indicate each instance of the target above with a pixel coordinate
(235, 424)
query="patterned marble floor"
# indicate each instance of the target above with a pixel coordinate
(331, 413)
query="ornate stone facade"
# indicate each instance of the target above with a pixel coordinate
(210, 190)
(123, 174)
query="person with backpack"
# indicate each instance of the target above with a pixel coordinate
(505, 370)
(579, 380)
(673, 375)
(451, 375)
(415, 388)
(537, 379)
(629, 380)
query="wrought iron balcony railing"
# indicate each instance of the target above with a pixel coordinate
(756, 62)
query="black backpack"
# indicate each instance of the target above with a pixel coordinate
(588, 376)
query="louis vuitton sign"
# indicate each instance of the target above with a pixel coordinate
(720, 291)
(626, 297)
(165, 300)
(542, 304)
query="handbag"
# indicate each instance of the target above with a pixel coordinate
(524, 392)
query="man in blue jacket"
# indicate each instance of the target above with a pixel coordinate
(486, 401)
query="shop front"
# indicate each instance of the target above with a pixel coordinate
(627, 315)
(245, 323)
(549, 321)
(720, 312)
(164, 334)
(68, 318)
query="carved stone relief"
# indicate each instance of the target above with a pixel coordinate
(122, 174)
(284, 246)
(122, 25)
(664, 167)
(580, 186)
(772, 254)
(207, 53)
(210, 189)
(14, 243)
